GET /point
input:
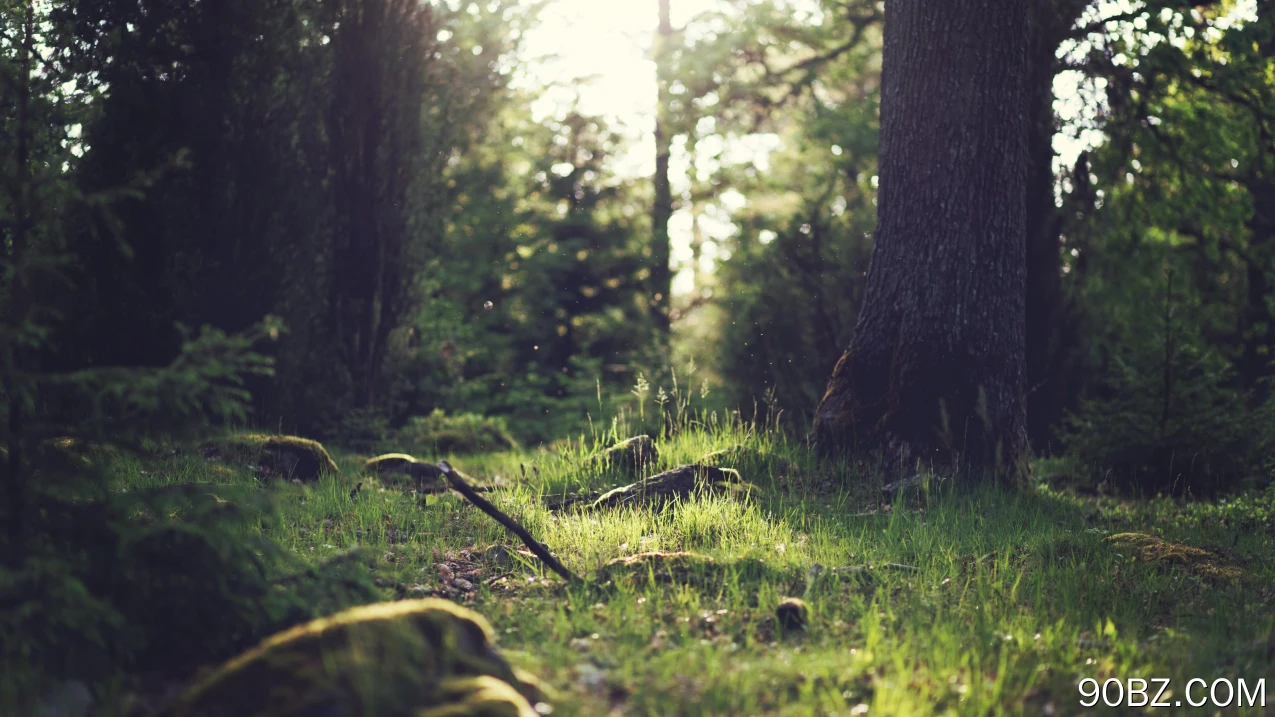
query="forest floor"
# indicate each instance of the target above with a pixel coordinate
(1008, 600)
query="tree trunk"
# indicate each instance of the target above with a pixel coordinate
(1050, 324)
(662, 208)
(934, 375)
(15, 362)
(376, 138)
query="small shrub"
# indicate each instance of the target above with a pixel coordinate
(1202, 439)
(463, 433)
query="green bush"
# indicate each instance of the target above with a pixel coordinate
(1192, 433)
(462, 433)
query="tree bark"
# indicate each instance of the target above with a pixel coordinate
(935, 374)
(16, 359)
(662, 207)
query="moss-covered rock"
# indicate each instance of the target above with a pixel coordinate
(283, 456)
(631, 455)
(422, 475)
(481, 696)
(296, 457)
(1156, 550)
(377, 660)
(676, 484)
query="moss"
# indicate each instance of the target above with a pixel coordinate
(420, 473)
(287, 456)
(1155, 549)
(792, 614)
(387, 658)
(481, 696)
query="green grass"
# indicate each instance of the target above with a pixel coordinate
(1016, 596)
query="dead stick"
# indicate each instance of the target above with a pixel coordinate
(460, 486)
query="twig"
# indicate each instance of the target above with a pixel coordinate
(459, 485)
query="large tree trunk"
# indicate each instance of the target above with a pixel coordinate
(935, 371)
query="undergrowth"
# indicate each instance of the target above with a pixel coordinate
(1013, 599)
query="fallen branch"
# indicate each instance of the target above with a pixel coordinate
(459, 485)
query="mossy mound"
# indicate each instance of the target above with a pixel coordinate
(481, 696)
(676, 484)
(631, 455)
(284, 456)
(1155, 549)
(422, 475)
(407, 657)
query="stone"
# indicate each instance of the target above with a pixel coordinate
(383, 659)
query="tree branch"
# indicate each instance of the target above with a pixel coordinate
(458, 484)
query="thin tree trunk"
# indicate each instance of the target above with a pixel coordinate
(16, 360)
(662, 209)
(934, 375)
(1050, 339)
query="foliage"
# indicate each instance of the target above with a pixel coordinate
(1178, 387)
(1001, 614)
(779, 307)
(440, 434)
(1200, 438)
(539, 305)
(85, 564)
(318, 186)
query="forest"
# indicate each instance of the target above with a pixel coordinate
(438, 358)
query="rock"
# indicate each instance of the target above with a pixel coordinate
(676, 484)
(792, 614)
(382, 659)
(425, 476)
(630, 455)
(481, 696)
(294, 457)
(282, 456)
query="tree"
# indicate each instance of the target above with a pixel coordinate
(378, 160)
(935, 371)
(662, 207)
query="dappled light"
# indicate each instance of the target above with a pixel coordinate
(511, 358)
